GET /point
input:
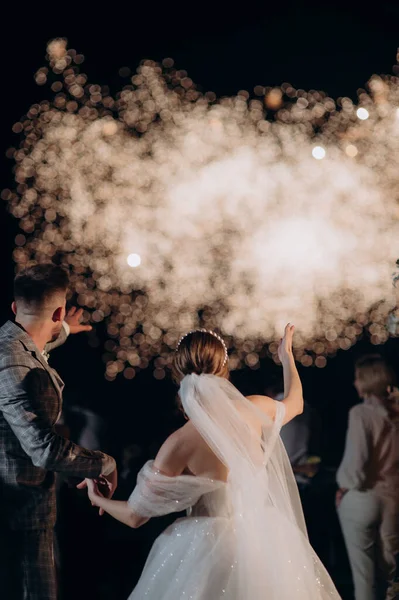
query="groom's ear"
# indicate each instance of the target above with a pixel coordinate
(58, 314)
(14, 308)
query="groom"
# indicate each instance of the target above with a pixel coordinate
(30, 449)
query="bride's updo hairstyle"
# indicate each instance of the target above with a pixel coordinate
(201, 352)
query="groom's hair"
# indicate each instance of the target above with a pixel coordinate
(35, 287)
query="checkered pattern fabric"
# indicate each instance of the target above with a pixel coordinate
(27, 569)
(30, 453)
(30, 450)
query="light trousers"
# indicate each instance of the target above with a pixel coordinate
(370, 526)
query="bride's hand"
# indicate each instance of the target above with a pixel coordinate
(285, 347)
(94, 493)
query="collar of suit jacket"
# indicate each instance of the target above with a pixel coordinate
(17, 332)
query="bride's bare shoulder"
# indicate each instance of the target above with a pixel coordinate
(266, 404)
(173, 454)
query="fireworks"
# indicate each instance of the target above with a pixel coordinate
(173, 210)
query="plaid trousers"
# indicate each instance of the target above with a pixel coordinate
(27, 569)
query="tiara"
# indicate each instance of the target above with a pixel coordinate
(216, 335)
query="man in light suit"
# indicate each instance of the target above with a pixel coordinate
(368, 480)
(30, 449)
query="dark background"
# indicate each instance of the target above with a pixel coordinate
(225, 48)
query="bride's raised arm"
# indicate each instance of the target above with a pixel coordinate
(293, 397)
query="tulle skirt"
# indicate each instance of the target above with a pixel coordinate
(196, 559)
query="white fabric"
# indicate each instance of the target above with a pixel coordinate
(66, 327)
(244, 539)
(45, 353)
(156, 494)
(295, 436)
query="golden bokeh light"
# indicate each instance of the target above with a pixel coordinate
(233, 223)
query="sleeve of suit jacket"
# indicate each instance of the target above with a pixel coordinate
(46, 449)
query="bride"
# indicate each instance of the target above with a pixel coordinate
(244, 536)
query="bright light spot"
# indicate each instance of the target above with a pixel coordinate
(351, 150)
(110, 128)
(227, 207)
(57, 48)
(134, 260)
(273, 99)
(318, 152)
(362, 113)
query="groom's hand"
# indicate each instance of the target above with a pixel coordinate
(73, 319)
(106, 483)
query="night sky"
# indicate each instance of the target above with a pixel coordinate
(335, 47)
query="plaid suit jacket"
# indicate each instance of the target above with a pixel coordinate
(30, 450)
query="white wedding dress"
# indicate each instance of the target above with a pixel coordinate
(241, 540)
